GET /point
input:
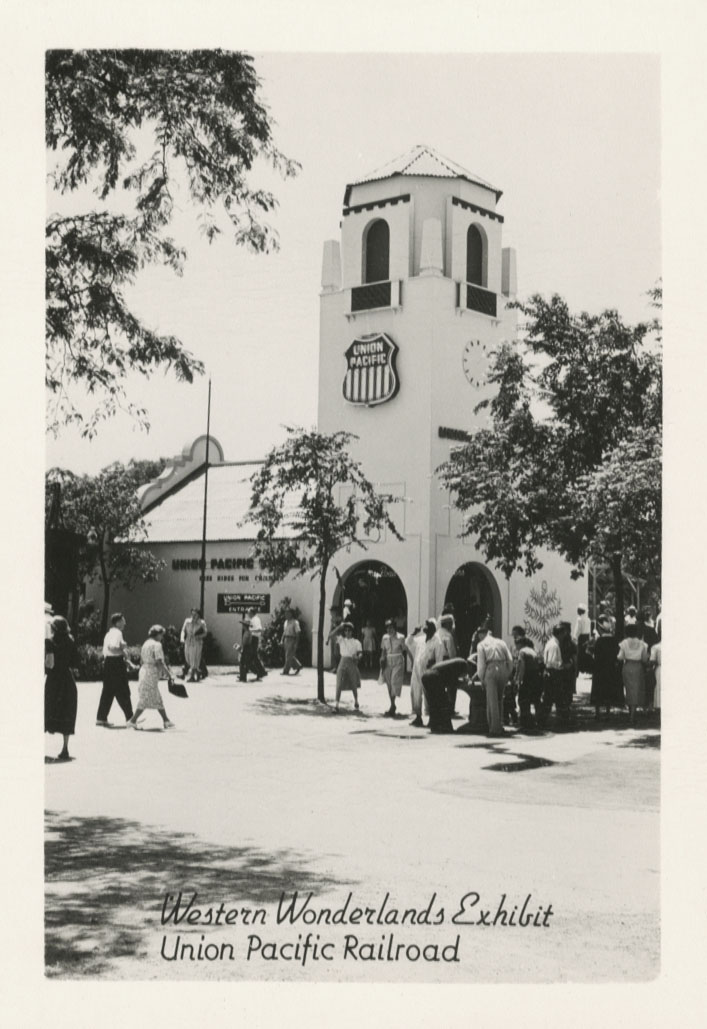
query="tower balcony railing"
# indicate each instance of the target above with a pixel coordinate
(373, 295)
(475, 298)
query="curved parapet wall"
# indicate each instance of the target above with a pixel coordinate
(180, 468)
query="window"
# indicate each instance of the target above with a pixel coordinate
(376, 252)
(475, 256)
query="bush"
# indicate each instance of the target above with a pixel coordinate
(88, 627)
(173, 650)
(90, 667)
(271, 651)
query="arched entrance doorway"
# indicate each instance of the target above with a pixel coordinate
(475, 596)
(377, 593)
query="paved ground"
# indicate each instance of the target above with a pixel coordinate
(259, 792)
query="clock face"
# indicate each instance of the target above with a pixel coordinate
(473, 362)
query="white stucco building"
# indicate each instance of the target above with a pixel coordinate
(413, 296)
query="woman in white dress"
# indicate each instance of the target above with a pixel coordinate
(392, 664)
(192, 636)
(633, 655)
(348, 676)
(656, 662)
(153, 665)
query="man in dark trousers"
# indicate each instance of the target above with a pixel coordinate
(115, 672)
(250, 658)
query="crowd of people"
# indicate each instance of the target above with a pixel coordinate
(520, 685)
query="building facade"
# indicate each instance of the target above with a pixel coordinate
(414, 296)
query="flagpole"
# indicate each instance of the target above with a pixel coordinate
(206, 494)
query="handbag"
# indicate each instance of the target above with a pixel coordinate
(177, 689)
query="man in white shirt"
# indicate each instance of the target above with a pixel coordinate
(115, 672)
(425, 649)
(554, 692)
(494, 665)
(290, 638)
(580, 634)
(250, 659)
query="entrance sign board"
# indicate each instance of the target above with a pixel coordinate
(239, 603)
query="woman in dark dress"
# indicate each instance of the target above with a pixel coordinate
(60, 695)
(607, 687)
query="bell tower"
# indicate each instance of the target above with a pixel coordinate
(413, 296)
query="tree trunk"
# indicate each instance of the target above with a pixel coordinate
(619, 592)
(106, 592)
(320, 633)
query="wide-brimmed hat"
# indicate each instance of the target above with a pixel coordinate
(48, 609)
(155, 630)
(346, 625)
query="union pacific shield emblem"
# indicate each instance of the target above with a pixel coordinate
(371, 375)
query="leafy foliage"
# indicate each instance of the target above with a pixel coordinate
(622, 499)
(310, 500)
(208, 127)
(104, 510)
(528, 479)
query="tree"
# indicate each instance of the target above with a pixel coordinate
(104, 509)
(302, 523)
(207, 128)
(621, 498)
(534, 478)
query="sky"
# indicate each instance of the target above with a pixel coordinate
(572, 140)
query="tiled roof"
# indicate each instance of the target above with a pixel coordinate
(179, 517)
(422, 160)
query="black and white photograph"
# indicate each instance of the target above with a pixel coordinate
(353, 530)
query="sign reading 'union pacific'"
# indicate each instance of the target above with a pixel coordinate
(371, 376)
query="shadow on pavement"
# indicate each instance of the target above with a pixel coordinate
(643, 741)
(278, 705)
(525, 763)
(106, 880)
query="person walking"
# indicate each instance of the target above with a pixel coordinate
(192, 636)
(633, 655)
(656, 660)
(425, 648)
(392, 664)
(607, 687)
(494, 665)
(448, 637)
(568, 649)
(334, 637)
(580, 634)
(348, 676)
(115, 672)
(370, 642)
(554, 691)
(605, 613)
(60, 694)
(152, 667)
(250, 658)
(291, 631)
(528, 674)
(647, 632)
